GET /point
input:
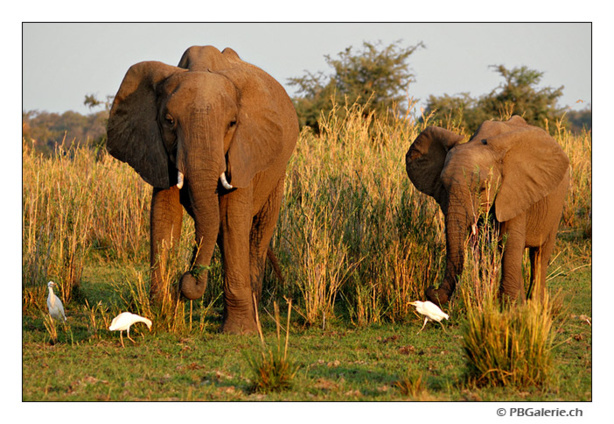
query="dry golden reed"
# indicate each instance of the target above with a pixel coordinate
(355, 240)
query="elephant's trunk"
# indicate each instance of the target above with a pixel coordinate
(456, 232)
(202, 166)
(205, 206)
(456, 229)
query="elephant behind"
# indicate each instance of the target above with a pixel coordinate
(515, 172)
(212, 136)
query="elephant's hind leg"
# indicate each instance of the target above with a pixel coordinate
(540, 256)
(263, 227)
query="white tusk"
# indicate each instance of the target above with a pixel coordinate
(224, 182)
(179, 180)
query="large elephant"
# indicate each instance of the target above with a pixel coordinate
(511, 170)
(212, 135)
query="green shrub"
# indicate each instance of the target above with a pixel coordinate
(272, 369)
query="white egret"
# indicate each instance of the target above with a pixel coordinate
(54, 304)
(123, 322)
(430, 311)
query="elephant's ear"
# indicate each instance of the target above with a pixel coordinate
(425, 159)
(204, 58)
(133, 135)
(266, 118)
(533, 166)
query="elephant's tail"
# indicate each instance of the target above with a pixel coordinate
(275, 264)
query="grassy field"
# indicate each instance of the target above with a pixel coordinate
(356, 243)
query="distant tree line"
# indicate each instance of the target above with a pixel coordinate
(518, 94)
(45, 131)
(377, 78)
(580, 120)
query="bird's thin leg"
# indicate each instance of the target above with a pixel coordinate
(425, 320)
(128, 334)
(443, 326)
(121, 338)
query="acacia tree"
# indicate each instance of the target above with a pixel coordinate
(520, 95)
(375, 77)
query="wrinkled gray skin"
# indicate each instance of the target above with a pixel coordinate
(210, 115)
(512, 170)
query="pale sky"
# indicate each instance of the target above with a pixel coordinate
(62, 62)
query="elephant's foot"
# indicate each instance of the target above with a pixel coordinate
(240, 312)
(236, 326)
(437, 296)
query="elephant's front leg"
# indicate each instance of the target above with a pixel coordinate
(236, 221)
(165, 230)
(512, 283)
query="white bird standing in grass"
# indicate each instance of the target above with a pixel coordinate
(430, 311)
(123, 322)
(54, 304)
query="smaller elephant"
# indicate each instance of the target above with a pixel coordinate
(514, 172)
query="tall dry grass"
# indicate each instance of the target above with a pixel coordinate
(353, 229)
(79, 208)
(355, 240)
(57, 219)
(97, 203)
(577, 214)
(509, 345)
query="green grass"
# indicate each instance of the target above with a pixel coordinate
(341, 362)
(356, 243)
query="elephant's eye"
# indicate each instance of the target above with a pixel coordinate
(233, 123)
(169, 119)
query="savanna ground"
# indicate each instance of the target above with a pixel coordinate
(356, 243)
